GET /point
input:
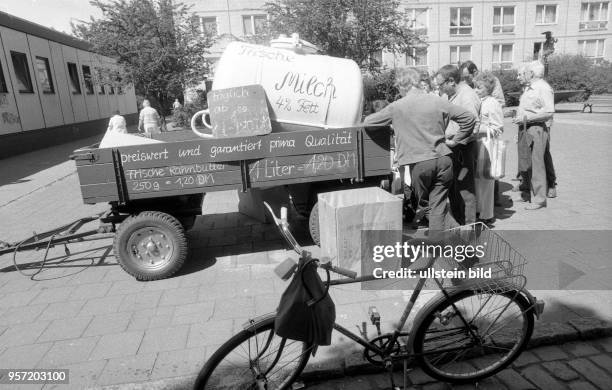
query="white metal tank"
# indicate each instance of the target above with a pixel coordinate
(306, 89)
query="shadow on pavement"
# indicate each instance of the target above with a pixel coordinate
(504, 211)
(62, 265)
(14, 169)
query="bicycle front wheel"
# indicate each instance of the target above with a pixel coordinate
(256, 358)
(473, 335)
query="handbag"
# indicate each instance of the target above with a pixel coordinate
(306, 312)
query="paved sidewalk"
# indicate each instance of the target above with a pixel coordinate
(84, 313)
(576, 365)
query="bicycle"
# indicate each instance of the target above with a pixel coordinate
(467, 332)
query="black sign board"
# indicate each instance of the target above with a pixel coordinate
(238, 112)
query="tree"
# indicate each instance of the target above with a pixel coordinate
(158, 44)
(355, 29)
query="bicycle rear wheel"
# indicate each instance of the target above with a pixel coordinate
(256, 358)
(473, 335)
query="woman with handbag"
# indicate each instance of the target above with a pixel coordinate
(491, 128)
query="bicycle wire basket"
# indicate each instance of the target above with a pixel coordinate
(487, 261)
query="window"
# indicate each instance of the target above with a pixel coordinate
(537, 48)
(111, 90)
(546, 14)
(417, 57)
(460, 54)
(592, 48)
(417, 20)
(461, 21)
(594, 16)
(44, 75)
(3, 87)
(253, 24)
(503, 20)
(100, 89)
(73, 73)
(208, 25)
(22, 72)
(89, 88)
(502, 56)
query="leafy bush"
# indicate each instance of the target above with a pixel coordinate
(567, 72)
(181, 117)
(509, 82)
(379, 85)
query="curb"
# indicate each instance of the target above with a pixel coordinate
(547, 333)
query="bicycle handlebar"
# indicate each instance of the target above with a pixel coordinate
(338, 270)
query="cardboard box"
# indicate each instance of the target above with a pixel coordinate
(344, 214)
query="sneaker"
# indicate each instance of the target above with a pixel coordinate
(552, 192)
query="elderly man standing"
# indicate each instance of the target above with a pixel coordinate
(465, 150)
(419, 120)
(149, 120)
(534, 117)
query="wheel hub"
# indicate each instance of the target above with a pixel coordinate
(151, 247)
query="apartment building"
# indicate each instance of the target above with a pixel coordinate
(493, 33)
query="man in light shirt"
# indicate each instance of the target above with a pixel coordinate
(534, 117)
(117, 123)
(465, 151)
(149, 121)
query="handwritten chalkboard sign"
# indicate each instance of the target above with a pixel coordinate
(239, 112)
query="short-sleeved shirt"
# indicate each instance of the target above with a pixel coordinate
(149, 116)
(538, 97)
(491, 116)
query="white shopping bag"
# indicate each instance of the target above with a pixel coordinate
(491, 162)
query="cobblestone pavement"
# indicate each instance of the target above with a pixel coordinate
(82, 312)
(576, 365)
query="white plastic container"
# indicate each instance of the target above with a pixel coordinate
(305, 89)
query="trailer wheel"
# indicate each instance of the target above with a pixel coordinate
(313, 224)
(150, 245)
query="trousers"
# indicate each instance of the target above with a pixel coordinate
(431, 180)
(463, 192)
(536, 174)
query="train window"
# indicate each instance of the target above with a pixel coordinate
(75, 86)
(22, 72)
(44, 75)
(89, 88)
(3, 87)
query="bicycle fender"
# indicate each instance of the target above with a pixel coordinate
(263, 319)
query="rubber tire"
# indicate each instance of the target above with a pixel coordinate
(420, 332)
(172, 228)
(225, 349)
(313, 224)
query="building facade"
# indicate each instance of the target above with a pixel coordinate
(49, 88)
(493, 33)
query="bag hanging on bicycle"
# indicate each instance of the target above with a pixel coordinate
(306, 312)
